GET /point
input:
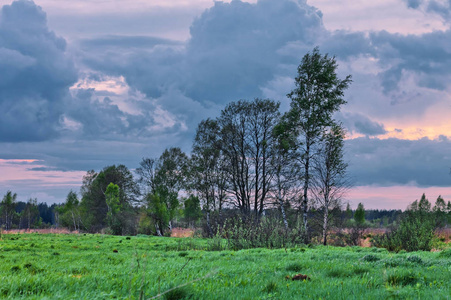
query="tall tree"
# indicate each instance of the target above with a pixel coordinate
(329, 182)
(192, 211)
(114, 208)
(440, 212)
(359, 215)
(93, 204)
(147, 171)
(207, 163)
(247, 135)
(8, 205)
(317, 96)
(69, 212)
(30, 214)
(287, 170)
(164, 177)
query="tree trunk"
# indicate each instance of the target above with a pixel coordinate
(325, 221)
(210, 232)
(282, 208)
(305, 198)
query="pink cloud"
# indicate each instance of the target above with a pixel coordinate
(394, 197)
(32, 169)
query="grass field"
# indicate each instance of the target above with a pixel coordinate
(60, 266)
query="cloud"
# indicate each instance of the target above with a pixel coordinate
(422, 162)
(442, 8)
(359, 123)
(413, 3)
(116, 98)
(427, 55)
(113, 41)
(232, 52)
(36, 74)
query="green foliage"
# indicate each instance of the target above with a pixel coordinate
(247, 232)
(114, 208)
(370, 258)
(440, 212)
(178, 294)
(192, 209)
(445, 253)
(295, 267)
(415, 231)
(359, 215)
(348, 211)
(317, 96)
(7, 206)
(270, 287)
(68, 213)
(94, 208)
(402, 278)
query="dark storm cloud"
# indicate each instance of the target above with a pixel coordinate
(358, 123)
(442, 8)
(110, 41)
(233, 47)
(344, 44)
(427, 55)
(35, 74)
(413, 3)
(237, 50)
(388, 162)
(232, 52)
(35, 77)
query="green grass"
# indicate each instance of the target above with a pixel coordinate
(35, 266)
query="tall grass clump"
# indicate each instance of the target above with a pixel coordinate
(402, 278)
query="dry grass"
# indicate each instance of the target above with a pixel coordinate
(182, 232)
(444, 233)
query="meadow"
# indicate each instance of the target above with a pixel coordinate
(84, 266)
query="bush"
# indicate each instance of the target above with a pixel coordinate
(243, 232)
(415, 232)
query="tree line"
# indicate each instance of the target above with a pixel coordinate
(253, 165)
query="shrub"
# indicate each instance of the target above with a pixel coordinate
(244, 232)
(415, 232)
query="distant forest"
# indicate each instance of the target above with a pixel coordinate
(254, 175)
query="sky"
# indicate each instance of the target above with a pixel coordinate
(88, 83)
